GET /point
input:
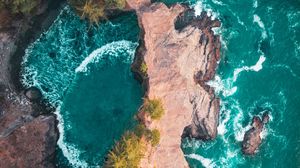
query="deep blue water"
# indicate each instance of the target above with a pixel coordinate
(85, 72)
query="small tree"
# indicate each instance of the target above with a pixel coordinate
(127, 153)
(93, 11)
(155, 137)
(143, 68)
(120, 4)
(154, 107)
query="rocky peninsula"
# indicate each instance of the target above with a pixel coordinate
(181, 53)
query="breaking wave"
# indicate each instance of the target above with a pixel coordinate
(113, 49)
(208, 163)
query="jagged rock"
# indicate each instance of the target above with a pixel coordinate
(252, 138)
(31, 145)
(33, 94)
(174, 56)
(25, 140)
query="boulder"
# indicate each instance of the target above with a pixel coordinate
(252, 138)
(33, 94)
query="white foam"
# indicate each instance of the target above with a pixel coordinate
(257, 67)
(238, 128)
(68, 150)
(255, 4)
(218, 2)
(208, 163)
(108, 48)
(257, 19)
(222, 125)
(199, 7)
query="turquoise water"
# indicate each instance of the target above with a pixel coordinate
(259, 71)
(84, 71)
(86, 74)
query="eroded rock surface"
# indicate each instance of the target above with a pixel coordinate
(252, 138)
(180, 60)
(27, 138)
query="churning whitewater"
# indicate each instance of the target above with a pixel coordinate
(85, 73)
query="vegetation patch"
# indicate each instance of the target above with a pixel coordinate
(143, 68)
(94, 10)
(155, 137)
(154, 108)
(128, 152)
(19, 6)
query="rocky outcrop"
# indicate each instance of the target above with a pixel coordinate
(30, 145)
(181, 54)
(252, 138)
(136, 4)
(27, 138)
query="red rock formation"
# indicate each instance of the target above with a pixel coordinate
(252, 138)
(175, 57)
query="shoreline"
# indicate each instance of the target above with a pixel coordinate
(176, 80)
(19, 115)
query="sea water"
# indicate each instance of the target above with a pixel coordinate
(84, 71)
(259, 71)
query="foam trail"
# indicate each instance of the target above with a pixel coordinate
(69, 151)
(257, 67)
(221, 86)
(222, 126)
(199, 7)
(239, 130)
(255, 4)
(204, 161)
(108, 48)
(257, 19)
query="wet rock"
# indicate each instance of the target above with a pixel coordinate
(252, 138)
(33, 94)
(265, 118)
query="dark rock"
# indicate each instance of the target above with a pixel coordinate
(265, 118)
(52, 55)
(33, 94)
(30, 145)
(252, 139)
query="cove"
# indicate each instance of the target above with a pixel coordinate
(84, 71)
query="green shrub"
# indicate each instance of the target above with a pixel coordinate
(155, 137)
(144, 68)
(127, 153)
(94, 10)
(120, 4)
(154, 107)
(19, 6)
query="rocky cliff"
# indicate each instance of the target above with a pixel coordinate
(181, 54)
(27, 136)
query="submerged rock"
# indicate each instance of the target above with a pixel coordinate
(179, 62)
(33, 94)
(252, 138)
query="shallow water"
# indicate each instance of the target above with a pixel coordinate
(86, 74)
